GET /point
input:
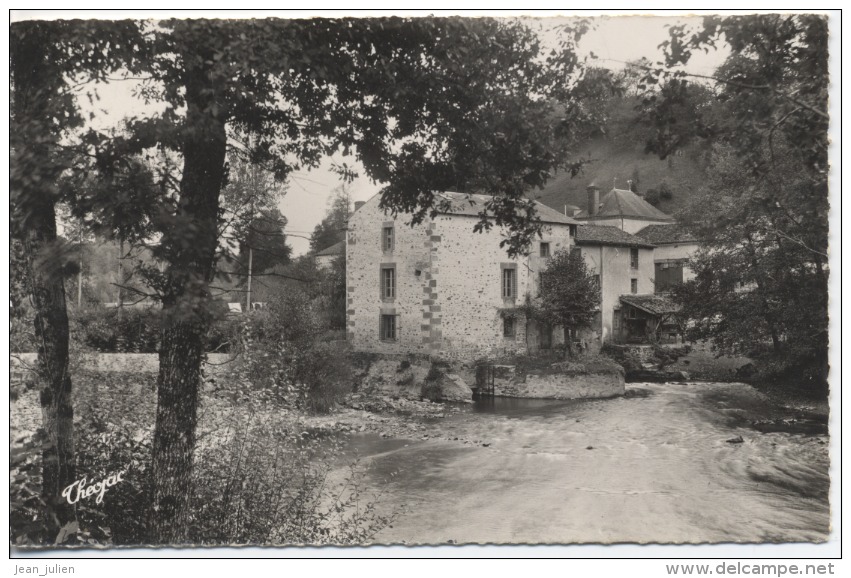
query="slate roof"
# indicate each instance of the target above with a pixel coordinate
(624, 203)
(666, 234)
(608, 235)
(473, 204)
(333, 250)
(652, 304)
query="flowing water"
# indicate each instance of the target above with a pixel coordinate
(653, 466)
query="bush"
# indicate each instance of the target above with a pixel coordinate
(282, 349)
(116, 330)
(112, 433)
(131, 330)
(104, 449)
(260, 476)
(21, 334)
(622, 356)
(668, 355)
(270, 482)
(430, 388)
(27, 510)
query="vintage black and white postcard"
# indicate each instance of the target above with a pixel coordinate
(421, 279)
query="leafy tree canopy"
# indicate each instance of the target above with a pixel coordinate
(569, 294)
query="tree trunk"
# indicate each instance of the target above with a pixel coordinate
(35, 171)
(190, 250)
(51, 330)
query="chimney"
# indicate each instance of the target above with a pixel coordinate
(359, 204)
(593, 199)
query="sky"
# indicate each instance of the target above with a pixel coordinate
(612, 42)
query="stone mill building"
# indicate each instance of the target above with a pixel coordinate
(439, 288)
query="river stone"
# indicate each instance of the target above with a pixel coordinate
(454, 388)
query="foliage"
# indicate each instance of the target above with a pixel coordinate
(568, 295)
(667, 355)
(426, 104)
(28, 512)
(271, 482)
(21, 335)
(251, 218)
(334, 292)
(249, 491)
(623, 356)
(136, 330)
(761, 285)
(291, 356)
(430, 388)
(117, 331)
(266, 239)
(332, 229)
(655, 196)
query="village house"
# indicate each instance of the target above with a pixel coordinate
(442, 289)
(622, 265)
(623, 220)
(325, 258)
(629, 212)
(623, 209)
(674, 248)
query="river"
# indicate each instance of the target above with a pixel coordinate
(654, 466)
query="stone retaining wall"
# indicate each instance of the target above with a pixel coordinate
(563, 386)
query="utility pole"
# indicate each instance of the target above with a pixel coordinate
(248, 297)
(120, 268)
(80, 272)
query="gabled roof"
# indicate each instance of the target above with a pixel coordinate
(608, 235)
(473, 204)
(666, 234)
(652, 304)
(624, 203)
(333, 250)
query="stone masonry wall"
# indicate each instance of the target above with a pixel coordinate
(412, 257)
(448, 285)
(557, 386)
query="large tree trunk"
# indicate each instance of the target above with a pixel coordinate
(51, 330)
(190, 250)
(35, 171)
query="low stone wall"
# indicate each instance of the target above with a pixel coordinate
(563, 386)
(20, 363)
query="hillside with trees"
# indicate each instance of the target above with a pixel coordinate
(617, 144)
